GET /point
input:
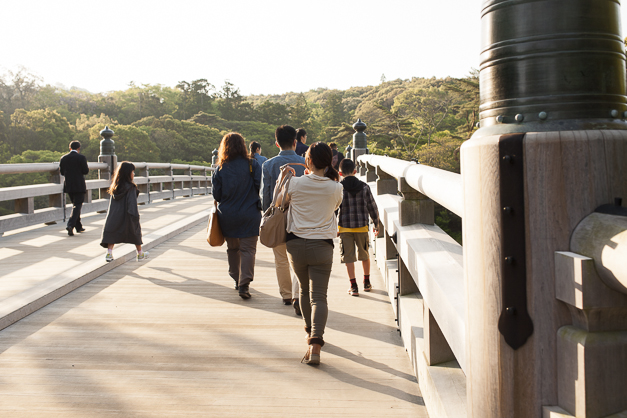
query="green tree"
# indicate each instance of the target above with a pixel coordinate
(231, 104)
(17, 90)
(272, 113)
(197, 96)
(301, 115)
(466, 102)
(42, 129)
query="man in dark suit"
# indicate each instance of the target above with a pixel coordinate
(301, 138)
(73, 167)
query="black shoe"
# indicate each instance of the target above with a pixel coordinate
(243, 292)
(296, 306)
(81, 229)
(69, 231)
(287, 301)
(236, 284)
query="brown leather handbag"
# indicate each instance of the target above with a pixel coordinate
(273, 228)
(214, 233)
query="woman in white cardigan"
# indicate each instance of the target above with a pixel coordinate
(311, 227)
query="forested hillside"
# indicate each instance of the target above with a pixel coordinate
(426, 119)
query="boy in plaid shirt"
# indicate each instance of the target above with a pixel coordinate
(353, 224)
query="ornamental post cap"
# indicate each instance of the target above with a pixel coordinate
(359, 126)
(106, 133)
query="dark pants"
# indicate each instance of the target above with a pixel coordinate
(77, 200)
(311, 260)
(241, 255)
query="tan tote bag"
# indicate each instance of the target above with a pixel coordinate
(273, 228)
(214, 233)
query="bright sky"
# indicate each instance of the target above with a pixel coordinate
(263, 47)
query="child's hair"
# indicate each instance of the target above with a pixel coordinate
(253, 147)
(321, 157)
(231, 147)
(347, 166)
(122, 175)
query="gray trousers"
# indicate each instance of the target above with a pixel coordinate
(241, 255)
(311, 260)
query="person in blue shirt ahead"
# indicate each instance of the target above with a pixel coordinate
(285, 136)
(255, 152)
(236, 184)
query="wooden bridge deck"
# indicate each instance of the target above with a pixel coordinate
(170, 337)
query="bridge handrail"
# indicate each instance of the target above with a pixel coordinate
(444, 187)
(24, 168)
(151, 188)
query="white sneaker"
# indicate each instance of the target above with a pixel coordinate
(142, 256)
(109, 257)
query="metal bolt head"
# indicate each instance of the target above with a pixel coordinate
(478, 124)
(509, 260)
(625, 115)
(511, 311)
(614, 113)
(500, 118)
(542, 115)
(508, 209)
(520, 118)
(508, 158)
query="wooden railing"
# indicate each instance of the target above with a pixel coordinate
(422, 265)
(165, 186)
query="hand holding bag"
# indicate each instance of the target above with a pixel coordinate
(214, 233)
(272, 231)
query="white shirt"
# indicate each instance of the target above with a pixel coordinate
(313, 202)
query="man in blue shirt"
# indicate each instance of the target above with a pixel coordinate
(285, 136)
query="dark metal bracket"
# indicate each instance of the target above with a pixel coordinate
(514, 323)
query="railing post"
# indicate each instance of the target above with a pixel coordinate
(55, 200)
(26, 205)
(551, 149)
(107, 155)
(386, 184)
(415, 207)
(191, 181)
(145, 188)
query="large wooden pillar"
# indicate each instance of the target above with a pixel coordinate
(552, 84)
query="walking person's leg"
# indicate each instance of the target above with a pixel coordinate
(297, 256)
(248, 251)
(233, 257)
(320, 263)
(77, 203)
(282, 267)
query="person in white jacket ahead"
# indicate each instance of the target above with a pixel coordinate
(311, 228)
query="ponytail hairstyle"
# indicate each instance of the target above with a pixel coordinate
(122, 175)
(253, 147)
(320, 156)
(231, 147)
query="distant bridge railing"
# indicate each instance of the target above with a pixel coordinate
(422, 265)
(196, 180)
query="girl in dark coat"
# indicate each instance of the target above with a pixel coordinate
(122, 221)
(235, 188)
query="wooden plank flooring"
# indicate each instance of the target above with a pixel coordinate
(171, 338)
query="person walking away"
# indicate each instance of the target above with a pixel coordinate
(285, 137)
(255, 152)
(337, 156)
(357, 204)
(236, 182)
(73, 167)
(301, 137)
(122, 221)
(311, 228)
